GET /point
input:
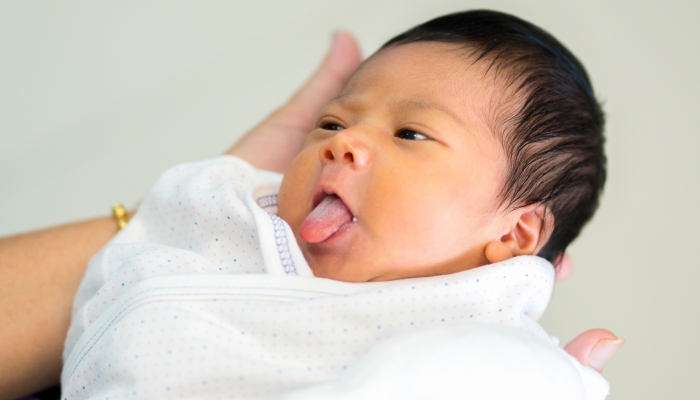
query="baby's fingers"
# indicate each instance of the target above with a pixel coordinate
(593, 348)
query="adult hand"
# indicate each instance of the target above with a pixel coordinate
(273, 144)
(41, 270)
(593, 348)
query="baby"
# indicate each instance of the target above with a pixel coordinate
(461, 144)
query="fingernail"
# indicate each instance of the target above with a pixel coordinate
(602, 351)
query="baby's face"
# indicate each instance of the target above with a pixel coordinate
(400, 178)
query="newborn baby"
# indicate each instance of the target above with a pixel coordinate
(461, 144)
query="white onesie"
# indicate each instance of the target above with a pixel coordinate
(205, 294)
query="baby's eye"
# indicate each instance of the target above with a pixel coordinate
(408, 134)
(330, 126)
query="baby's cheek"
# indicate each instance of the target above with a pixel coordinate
(289, 200)
(297, 187)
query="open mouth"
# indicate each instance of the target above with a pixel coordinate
(329, 214)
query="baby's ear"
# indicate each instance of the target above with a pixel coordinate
(528, 230)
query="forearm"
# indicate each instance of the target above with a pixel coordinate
(39, 275)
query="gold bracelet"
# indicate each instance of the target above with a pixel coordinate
(119, 214)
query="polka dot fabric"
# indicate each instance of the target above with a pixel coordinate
(195, 220)
(205, 294)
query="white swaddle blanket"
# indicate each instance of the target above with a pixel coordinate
(205, 294)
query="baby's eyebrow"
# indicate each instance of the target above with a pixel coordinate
(415, 104)
(350, 100)
(344, 99)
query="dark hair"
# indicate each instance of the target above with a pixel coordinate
(554, 141)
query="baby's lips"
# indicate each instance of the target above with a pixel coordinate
(324, 220)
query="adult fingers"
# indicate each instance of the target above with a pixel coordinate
(276, 140)
(593, 348)
(341, 61)
(564, 268)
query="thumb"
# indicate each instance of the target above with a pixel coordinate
(593, 348)
(326, 83)
(275, 141)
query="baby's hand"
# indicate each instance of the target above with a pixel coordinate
(273, 144)
(593, 348)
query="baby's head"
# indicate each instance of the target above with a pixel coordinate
(467, 140)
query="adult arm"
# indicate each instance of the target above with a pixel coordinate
(39, 275)
(40, 271)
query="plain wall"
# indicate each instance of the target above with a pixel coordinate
(98, 98)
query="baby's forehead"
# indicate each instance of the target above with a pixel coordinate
(437, 66)
(442, 56)
(449, 74)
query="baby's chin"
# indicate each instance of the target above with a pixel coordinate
(323, 270)
(339, 269)
(356, 270)
(369, 269)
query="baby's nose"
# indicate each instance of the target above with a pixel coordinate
(345, 156)
(346, 148)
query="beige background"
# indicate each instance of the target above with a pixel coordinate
(97, 98)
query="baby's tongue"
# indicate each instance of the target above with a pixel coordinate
(328, 216)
